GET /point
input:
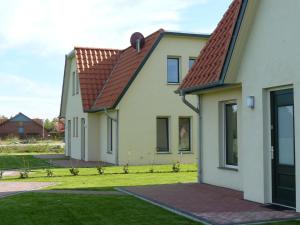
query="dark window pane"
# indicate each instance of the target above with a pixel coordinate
(110, 135)
(231, 134)
(173, 70)
(162, 134)
(191, 63)
(184, 134)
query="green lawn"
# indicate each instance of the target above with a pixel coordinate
(15, 161)
(90, 179)
(66, 209)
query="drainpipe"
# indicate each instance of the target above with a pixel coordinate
(198, 111)
(117, 135)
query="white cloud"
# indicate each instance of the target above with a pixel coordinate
(56, 26)
(35, 99)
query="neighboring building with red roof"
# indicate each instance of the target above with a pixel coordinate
(247, 79)
(119, 105)
(22, 126)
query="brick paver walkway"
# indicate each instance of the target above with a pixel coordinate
(212, 204)
(10, 188)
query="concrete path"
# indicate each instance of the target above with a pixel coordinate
(11, 188)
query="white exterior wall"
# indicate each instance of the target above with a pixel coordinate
(270, 61)
(211, 109)
(149, 97)
(105, 155)
(74, 109)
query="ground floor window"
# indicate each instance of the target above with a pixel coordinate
(230, 134)
(184, 134)
(109, 135)
(162, 134)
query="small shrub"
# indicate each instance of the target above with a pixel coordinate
(49, 173)
(151, 170)
(126, 168)
(100, 169)
(176, 167)
(24, 174)
(74, 171)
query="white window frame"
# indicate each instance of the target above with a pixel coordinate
(223, 150)
(179, 69)
(190, 134)
(191, 58)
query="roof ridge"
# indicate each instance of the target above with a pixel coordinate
(95, 48)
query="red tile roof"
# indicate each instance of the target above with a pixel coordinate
(123, 73)
(209, 64)
(94, 65)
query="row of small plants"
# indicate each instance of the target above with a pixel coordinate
(24, 173)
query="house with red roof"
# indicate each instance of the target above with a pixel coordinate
(247, 80)
(119, 105)
(22, 126)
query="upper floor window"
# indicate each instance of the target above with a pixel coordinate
(191, 62)
(75, 83)
(173, 70)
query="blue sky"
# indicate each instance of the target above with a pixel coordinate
(36, 34)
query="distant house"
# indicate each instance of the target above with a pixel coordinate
(119, 105)
(23, 127)
(247, 79)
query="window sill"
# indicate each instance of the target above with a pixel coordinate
(173, 83)
(163, 153)
(185, 152)
(228, 168)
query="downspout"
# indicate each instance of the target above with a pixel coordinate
(198, 111)
(117, 135)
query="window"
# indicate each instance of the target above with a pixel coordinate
(76, 119)
(162, 134)
(230, 129)
(173, 70)
(77, 83)
(73, 126)
(73, 82)
(191, 62)
(184, 134)
(109, 135)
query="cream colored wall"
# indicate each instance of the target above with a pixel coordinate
(106, 156)
(74, 109)
(270, 61)
(150, 96)
(211, 146)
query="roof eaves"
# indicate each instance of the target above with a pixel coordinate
(63, 86)
(233, 40)
(206, 36)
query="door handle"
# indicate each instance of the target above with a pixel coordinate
(272, 152)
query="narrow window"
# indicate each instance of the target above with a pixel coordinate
(73, 82)
(77, 83)
(173, 70)
(184, 134)
(231, 149)
(162, 134)
(109, 135)
(74, 126)
(191, 62)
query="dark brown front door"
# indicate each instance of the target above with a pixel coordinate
(283, 146)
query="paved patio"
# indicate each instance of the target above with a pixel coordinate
(11, 188)
(210, 204)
